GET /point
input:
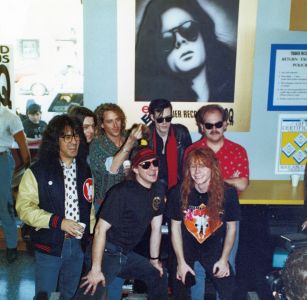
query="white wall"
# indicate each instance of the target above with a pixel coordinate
(272, 27)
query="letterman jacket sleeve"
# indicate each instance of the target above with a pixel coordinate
(27, 203)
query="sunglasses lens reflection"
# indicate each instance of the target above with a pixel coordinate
(166, 119)
(188, 30)
(147, 164)
(216, 125)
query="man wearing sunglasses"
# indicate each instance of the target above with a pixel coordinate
(168, 141)
(129, 208)
(55, 197)
(212, 122)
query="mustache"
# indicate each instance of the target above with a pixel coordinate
(214, 132)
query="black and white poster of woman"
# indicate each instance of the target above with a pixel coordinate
(191, 52)
(185, 51)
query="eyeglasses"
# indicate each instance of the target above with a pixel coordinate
(216, 125)
(189, 30)
(146, 164)
(68, 137)
(164, 119)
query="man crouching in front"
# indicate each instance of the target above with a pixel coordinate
(129, 208)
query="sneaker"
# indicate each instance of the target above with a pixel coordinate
(11, 254)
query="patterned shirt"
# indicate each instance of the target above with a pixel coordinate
(232, 157)
(101, 150)
(71, 195)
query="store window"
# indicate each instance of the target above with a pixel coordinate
(47, 42)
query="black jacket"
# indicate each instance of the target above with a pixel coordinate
(51, 193)
(183, 140)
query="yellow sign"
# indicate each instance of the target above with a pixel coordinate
(292, 144)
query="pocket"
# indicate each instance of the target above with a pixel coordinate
(111, 264)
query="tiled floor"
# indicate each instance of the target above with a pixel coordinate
(17, 279)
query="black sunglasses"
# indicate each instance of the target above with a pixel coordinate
(216, 125)
(189, 30)
(145, 165)
(162, 119)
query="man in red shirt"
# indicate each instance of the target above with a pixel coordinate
(212, 122)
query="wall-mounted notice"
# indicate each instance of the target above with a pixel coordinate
(6, 74)
(291, 154)
(288, 78)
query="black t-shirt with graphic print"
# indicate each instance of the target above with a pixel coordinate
(33, 130)
(129, 207)
(199, 232)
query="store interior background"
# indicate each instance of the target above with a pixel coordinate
(272, 27)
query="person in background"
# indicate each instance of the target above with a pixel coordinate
(110, 149)
(212, 122)
(11, 130)
(88, 120)
(55, 197)
(109, 160)
(294, 275)
(169, 141)
(33, 125)
(128, 209)
(203, 211)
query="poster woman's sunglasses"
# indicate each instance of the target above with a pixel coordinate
(216, 125)
(189, 30)
(145, 165)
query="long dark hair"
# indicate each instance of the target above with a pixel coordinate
(50, 149)
(154, 79)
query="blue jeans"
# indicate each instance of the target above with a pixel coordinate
(114, 290)
(59, 273)
(7, 216)
(116, 263)
(198, 290)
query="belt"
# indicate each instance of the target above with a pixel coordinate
(116, 248)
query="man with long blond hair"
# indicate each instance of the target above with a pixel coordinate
(203, 211)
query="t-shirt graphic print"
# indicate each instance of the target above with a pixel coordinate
(199, 223)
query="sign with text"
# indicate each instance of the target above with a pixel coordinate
(291, 154)
(6, 74)
(288, 78)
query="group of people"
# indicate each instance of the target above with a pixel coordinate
(97, 189)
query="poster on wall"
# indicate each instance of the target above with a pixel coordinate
(6, 74)
(288, 78)
(191, 52)
(291, 152)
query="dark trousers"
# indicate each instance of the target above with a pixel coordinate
(131, 266)
(225, 286)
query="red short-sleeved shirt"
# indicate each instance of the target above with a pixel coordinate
(232, 157)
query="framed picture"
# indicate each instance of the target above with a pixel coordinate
(291, 151)
(140, 79)
(288, 78)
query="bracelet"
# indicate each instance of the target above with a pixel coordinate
(154, 258)
(126, 150)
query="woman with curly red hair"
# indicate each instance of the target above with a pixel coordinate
(203, 210)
